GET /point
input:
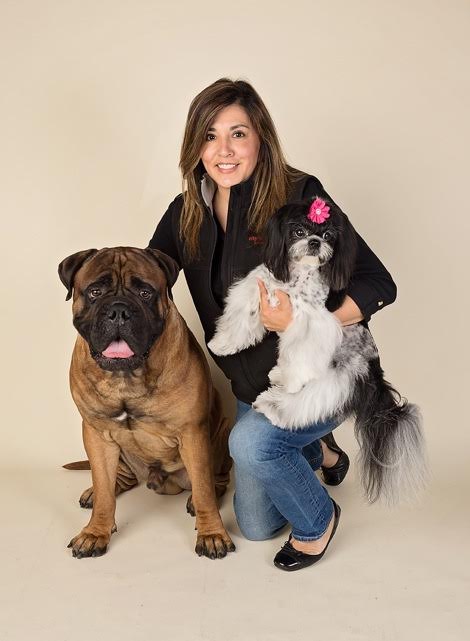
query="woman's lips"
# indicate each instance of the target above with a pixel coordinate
(226, 167)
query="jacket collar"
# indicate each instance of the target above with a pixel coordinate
(243, 190)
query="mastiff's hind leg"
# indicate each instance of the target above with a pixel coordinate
(126, 480)
(222, 462)
(219, 433)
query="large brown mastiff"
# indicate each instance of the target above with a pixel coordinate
(143, 388)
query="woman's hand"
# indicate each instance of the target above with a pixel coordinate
(349, 313)
(275, 319)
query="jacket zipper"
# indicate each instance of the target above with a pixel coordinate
(214, 242)
(232, 228)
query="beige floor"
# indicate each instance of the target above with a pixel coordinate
(389, 575)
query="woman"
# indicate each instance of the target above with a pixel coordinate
(235, 178)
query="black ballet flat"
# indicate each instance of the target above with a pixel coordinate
(290, 559)
(336, 474)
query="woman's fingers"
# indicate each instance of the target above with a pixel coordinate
(277, 318)
(284, 300)
(263, 295)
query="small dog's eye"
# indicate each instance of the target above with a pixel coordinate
(327, 235)
(94, 293)
(145, 294)
(299, 232)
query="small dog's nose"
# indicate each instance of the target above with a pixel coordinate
(118, 313)
(314, 243)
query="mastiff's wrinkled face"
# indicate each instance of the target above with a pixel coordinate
(120, 301)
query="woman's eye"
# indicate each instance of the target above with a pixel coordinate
(327, 235)
(210, 137)
(94, 293)
(238, 134)
(299, 233)
(145, 294)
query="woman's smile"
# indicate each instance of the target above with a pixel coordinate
(227, 167)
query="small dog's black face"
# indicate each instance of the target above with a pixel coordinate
(310, 243)
(292, 237)
(120, 302)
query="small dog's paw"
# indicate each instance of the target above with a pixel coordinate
(219, 347)
(294, 385)
(267, 407)
(275, 375)
(266, 397)
(295, 378)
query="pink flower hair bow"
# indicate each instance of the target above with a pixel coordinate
(319, 211)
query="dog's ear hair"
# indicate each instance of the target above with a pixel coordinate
(70, 266)
(339, 270)
(167, 264)
(276, 250)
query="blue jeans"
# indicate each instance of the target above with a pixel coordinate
(275, 482)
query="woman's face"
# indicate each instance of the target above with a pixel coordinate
(230, 152)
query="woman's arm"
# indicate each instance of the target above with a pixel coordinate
(349, 313)
(371, 287)
(277, 319)
(165, 235)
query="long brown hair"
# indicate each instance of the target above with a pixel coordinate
(272, 176)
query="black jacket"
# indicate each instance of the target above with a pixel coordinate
(371, 287)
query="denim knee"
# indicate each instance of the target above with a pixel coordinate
(254, 531)
(238, 445)
(252, 449)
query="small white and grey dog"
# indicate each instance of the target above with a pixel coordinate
(324, 370)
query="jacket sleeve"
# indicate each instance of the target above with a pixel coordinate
(165, 237)
(371, 286)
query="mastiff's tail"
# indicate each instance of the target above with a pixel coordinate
(78, 465)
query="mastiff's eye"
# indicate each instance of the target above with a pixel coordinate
(299, 232)
(94, 293)
(327, 235)
(145, 294)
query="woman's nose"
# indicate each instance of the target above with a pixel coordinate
(225, 147)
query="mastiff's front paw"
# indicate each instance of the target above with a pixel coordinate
(90, 544)
(214, 546)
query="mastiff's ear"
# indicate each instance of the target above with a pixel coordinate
(165, 262)
(70, 266)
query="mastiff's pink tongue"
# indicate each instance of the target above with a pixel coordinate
(118, 349)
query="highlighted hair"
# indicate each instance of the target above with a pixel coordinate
(272, 176)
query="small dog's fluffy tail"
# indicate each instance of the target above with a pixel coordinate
(392, 454)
